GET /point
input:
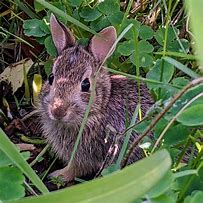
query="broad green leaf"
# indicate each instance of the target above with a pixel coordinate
(175, 46)
(100, 23)
(44, 26)
(145, 60)
(126, 185)
(90, 14)
(32, 27)
(5, 161)
(184, 99)
(126, 48)
(196, 197)
(155, 73)
(116, 18)
(163, 199)
(48, 66)
(159, 35)
(108, 7)
(130, 34)
(163, 185)
(176, 134)
(181, 67)
(195, 12)
(11, 180)
(50, 47)
(180, 81)
(146, 32)
(75, 3)
(192, 116)
(38, 7)
(11, 151)
(145, 47)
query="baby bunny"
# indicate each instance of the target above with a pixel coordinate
(65, 96)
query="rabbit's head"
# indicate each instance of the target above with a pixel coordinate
(66, 94)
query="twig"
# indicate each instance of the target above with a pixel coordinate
(173, 119)
(158, 117)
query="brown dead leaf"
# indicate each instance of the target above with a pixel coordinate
(14, 73)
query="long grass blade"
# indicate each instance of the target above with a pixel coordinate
(11, 151)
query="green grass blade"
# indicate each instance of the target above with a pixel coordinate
(127, 138)
(134, 77)
(181, 67)
(26, 9)
(126, 185)
(11, 151)
(65, 16)
(178, 54)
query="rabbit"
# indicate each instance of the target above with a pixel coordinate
(64, 98)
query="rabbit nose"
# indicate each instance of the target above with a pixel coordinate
(58, 109)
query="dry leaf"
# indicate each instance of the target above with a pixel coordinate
(14, 73)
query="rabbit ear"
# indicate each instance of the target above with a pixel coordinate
(61, 35)
(101, 44)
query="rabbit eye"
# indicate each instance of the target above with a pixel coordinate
(51, 78)
(85, 85)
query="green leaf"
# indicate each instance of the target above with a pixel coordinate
(163, 185)
(48, 66)
(160, 33)
(108, 7)
(11, 180)
(192, 116)
(196, 197)
(65, 16)
(146, 32)
(126, 185)
(116, 18)
(75, 3)
(184, 99)
(155, 73)
(195, 11)
(38, 7)
(145, 47)
(176, 134)
(181, 67)
(130, 34)
(100, 23)
(180, 81)
(90, 14)
(32, 27)
(50, 47)
(146, 60)
(126, 48)
(5, 161)
(11, 151)
(174, 46)
(163, 199)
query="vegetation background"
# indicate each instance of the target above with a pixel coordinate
(160, 43)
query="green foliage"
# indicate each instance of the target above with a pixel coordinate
(116, 187)
(157, 52)
(192, 116)
(11, 180)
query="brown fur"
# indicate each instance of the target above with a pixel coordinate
(113, 96)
